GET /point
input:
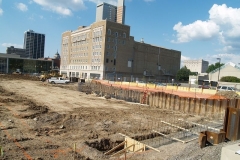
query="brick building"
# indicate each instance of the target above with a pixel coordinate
(105, 50)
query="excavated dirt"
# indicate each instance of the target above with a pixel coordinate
(41, 121)
(228, 94)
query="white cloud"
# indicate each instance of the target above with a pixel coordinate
(183, 58)
(113, 2)
(223, 23)
(66, 7)
(62, 7)
(225, 58)
(11, 44)
(1, 11)
(22, 7)
(200, 30)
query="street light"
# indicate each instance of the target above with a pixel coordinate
(219, 68)
(159, 69)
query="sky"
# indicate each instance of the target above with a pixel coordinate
(200, 29)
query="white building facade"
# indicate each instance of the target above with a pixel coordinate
(199, 66)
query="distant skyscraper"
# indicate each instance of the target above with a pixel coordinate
(121, 12)
(110, 12)
(106, 11)
(34, 44)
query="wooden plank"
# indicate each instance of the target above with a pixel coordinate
(205, 126)
(141, 143)
(176, 139)
(179, 127)
(123, 150)
(116, 147)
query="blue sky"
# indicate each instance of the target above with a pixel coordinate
(200, 29)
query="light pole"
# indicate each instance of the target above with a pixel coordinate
(159, 69)
(219, 68)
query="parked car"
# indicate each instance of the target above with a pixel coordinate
(204, 86)
(226, 88)
(54, 80)
(160, 84)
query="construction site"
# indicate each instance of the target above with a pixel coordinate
(99, 120)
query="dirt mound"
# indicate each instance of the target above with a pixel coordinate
(227, 95)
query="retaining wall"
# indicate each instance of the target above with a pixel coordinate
(199, 106)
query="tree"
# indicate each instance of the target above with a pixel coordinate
(183, 74)
(212, 67)
(230, 79)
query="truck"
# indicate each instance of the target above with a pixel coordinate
(58, 80)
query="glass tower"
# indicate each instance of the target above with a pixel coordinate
(34, 44)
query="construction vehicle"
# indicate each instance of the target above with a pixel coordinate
(48, 74)
(18, 71)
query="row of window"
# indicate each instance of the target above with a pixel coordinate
(113, 47)
(116, 33)
(97, 39)
(79, 49)
(97, 46)
(97, 32)
(95, 67)
(110, 69)
(79, 55)
(114, 61)
(78, 67)
(96, 54)
(80, 37)
(96, 60)
(79, 43)
(79, 61)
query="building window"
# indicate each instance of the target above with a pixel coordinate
(109, 31)
(114, 62)
(116, 34)
(124, 35)
(115, 48)
(107, 60)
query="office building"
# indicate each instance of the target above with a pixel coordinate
(10, 63)
(105, 50)
(121, 12)
(199, 66)
(34, 44)
(18, 51)
(106, 11)
(110, 12)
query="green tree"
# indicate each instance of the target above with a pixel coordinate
(230, 79)
(183, 74)
(212, 67)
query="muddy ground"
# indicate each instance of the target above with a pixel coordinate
(42, 121)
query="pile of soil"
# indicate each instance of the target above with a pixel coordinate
(228, 94)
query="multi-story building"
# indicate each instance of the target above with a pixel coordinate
(34, 44)
(199, 66)
(18, 51)
(110, 12)
(121, 12)
(11, 62)
(105, 50)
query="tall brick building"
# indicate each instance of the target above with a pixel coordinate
(106, 50)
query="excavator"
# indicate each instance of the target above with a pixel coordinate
(48, 74)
